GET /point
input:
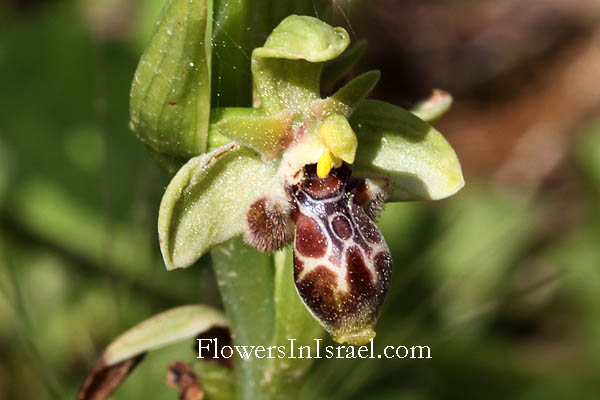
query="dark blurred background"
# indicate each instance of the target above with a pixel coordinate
(502, 281)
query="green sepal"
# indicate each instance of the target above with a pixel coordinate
(206, 202)
(170, 94)
(300, 37)
(345, 100)
(395, 144)
(287, 69)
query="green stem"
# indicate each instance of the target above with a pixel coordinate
(264, 310)
(245, 279)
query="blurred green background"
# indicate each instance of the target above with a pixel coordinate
(502, 281)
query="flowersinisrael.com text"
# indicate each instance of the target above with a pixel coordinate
(209, 348)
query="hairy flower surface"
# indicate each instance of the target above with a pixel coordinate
(312, 170)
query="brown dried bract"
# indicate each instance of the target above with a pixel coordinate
(103, 380)
(181, 376)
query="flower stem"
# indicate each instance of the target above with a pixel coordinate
(245, 279)
(264, 310)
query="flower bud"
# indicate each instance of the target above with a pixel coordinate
(170, 94)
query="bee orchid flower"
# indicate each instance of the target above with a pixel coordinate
(312, 171)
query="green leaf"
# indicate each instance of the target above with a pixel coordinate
(206, 202)
(345, 100)
(170, 94)
(163, 329)
(395, 144)
(287, 68)
(434, 107)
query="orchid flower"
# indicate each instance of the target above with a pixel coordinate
(297, 168)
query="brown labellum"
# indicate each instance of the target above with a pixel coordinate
(342, 264)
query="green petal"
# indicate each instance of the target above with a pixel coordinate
(170, 94)
(434, 107)
(345, 100)
(287, 68)
(268, 135)
(216, 139)
(395, 144)
(206, 202)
